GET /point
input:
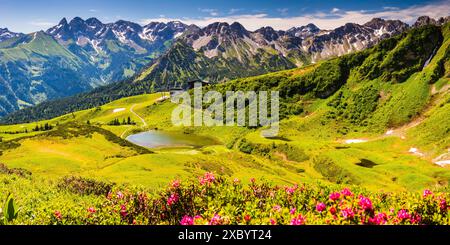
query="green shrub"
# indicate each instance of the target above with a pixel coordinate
(84, 186)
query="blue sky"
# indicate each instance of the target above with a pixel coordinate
(29, 16)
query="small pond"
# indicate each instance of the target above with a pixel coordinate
(164, 139)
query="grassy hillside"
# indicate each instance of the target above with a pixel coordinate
(358, 120)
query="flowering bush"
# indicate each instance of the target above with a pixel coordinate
(213, 200)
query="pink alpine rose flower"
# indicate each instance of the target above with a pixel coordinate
(187, 220)
(334, 196)
(91, 210)
(378, 219)
(427, 192)
(123, 211)
(277, 208)
(290, 190)
(176, 183)
(346, 192)
(293, 210)
(347, 213)
(365, 203)
(320, 207)
(119, 195)
(207, 178)
(215, 220)
(273, 222)
(210, 177)
(443, 204)
(172, 199)
(403, 214)
(416, 219)
(299, 220)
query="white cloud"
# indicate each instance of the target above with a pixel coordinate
(321, 19)
(335, 10)
(390, 8)
(42, 24)
(93, 10)
(283, 11)
(212, 12)
(233, 10)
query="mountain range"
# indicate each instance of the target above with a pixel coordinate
(220, 51)
(74, 57)
(157, 56)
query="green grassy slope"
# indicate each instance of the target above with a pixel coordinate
(326, 106)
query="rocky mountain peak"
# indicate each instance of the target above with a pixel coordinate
(268, 33)
(348, 29)
(238, 28)
(76, 21)
(216, 28)
(375, 23)
(63, 21)
(304, 31)
(311, 27)
(163, 31)
(424, 20)
(177, 25)
(386, 27)
(225, 29)
(444, 20)
(94, 22)
(126, 27)
(7, 34)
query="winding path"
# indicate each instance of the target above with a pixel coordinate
(144, 123)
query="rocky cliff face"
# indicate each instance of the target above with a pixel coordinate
(425, 20)
(221, 51)
(5, 34)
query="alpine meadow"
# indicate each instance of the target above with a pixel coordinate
(87, 137)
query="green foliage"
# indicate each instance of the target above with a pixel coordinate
(84, 186)
(354, 106)
(10, 211)
(46, 127)
(17, 171)
(331, 171)
(433, 133)
(320, 103)
(410, 54)
(404, 102)
(8, 145)
(291, 152)
(214, 200)
(117, 122)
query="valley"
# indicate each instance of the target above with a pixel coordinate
(324, 142)
(375, 121)
(123, 58)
